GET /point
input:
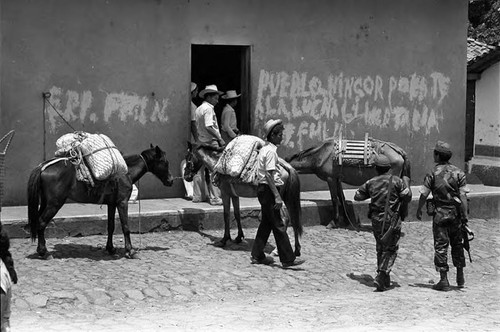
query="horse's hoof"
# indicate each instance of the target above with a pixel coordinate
(111, 251)
(48, 257)
(331, 225)
(297, 253)
(238, 240)
(132, 254)
(220, 244)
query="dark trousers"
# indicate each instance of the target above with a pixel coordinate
(447, 233)
(386, 253)
(271, 221)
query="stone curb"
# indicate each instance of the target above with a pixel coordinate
(183, 215)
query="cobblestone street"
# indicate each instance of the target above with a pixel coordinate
(182, 282)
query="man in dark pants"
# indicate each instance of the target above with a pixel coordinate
(270, 201)
(449, 191)
(377, 189)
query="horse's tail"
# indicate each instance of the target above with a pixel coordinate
(405, 172)
(34, 200)
(291, 196)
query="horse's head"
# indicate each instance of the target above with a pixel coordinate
(157, 163)
(193, 163)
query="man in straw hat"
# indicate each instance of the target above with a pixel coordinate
(270, 201)
(385, 191)
(229, 125)
(208, 135)
(449, 195)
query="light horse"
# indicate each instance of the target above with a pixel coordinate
(323, 160)
(50, 187)
(232, 190)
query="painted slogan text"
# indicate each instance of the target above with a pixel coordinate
(320, 107)
(77, 106)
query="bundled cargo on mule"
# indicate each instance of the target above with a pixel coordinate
(239, 159)
(94, 156)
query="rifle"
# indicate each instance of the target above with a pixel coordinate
(394, 219)
(395, 224)
(468, 235)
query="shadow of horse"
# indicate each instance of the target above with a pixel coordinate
(245, 245)
(96, 253)
(369, 281)
(65, 251)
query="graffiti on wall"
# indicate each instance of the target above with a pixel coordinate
(76, 106)
(321, 107)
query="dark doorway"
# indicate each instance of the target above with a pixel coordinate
(228, 68)
(470, 117)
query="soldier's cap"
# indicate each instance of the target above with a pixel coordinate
(442, 147)
(382, 161)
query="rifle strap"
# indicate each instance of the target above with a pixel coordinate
(387, 201)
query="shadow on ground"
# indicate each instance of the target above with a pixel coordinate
(368, 280)
(99, 253)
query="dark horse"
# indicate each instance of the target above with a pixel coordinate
(323, 160)
(48, 190)
(232, 190)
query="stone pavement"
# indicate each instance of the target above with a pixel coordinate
(183, 283)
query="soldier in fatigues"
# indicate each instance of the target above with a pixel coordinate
(449, 189)
(377, 189)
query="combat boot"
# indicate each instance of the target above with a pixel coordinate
(380, 281)
(460, 277)
(443, 284)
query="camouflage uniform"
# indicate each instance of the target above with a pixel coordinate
(376, 189)
(446, 182)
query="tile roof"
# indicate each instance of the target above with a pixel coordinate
(481, 55)
(476, 49)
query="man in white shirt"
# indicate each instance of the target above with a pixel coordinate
(229, 122)
(208, 134)
(269, 179)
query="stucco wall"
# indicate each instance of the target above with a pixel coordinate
(394, 69)
(487, 124)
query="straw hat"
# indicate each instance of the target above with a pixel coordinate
(231, 94)
(193, 86)
(268, 127)
(212, 88)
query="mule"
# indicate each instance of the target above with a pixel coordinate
(50, 186)
(323, 161)
(232, 190)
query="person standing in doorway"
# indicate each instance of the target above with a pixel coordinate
(229, 124)
(208, 135)
(269, 180)
(194, 188)
(448, 186)
(385, 191)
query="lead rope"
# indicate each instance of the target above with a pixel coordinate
(139, 200)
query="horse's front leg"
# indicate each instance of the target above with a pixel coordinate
(123, 213)
(111, 229)
(332, 186)
(237, 216)
(226, 203)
